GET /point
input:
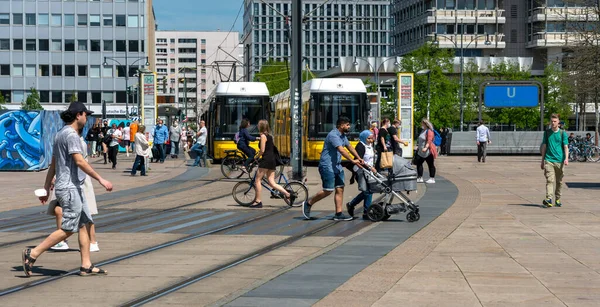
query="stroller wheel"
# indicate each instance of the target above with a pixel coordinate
(413, 217)
(386, 217)
(375, 213)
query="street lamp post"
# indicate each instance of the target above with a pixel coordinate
(377, 77)
(428, 73)
(462, 61)
(127, 91)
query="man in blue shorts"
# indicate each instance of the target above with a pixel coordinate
(330, 168)
(70, 168)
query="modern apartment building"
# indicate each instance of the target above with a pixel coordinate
(59, 48)
(507, 28)
(195, 61)
(332, 29)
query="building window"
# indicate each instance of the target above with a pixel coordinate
(18, 19)
(4, 18)
(30, 19)
(121, 71)
(172, 40)
(56, 20)
(82, 97)
(69, 45)
(82, 45)
(81, 19)
(30, 45)
(121, 96)
(5, 70)
(121, 46)
(57, 97)
(69, 70)
(108, 45)
(82, 70)
(5, 44)
(44, 71)
(94, 45)
(43, 20)
(94, 71)
(172, 61)
(108, 97)
(107, 71)
(120, 20)
(133, 70)
(134, 46)
(132, 21)
(18, 96)
(69, 20)
(56, 70)
(107, 20)
(96, 97)
(17, 44)
(17, 70)
(43, 45)
(44, 96)
(94, 20)
(69, 96)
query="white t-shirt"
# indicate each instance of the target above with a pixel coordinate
(202, 138)
(126, 133)
(115, 141)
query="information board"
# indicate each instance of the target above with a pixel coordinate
(405, 111)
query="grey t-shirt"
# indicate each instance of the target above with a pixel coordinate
(422, 142)
(175, 134)
(66, 143)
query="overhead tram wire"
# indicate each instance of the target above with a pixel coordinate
(230, 29)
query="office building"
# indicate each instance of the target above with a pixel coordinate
(59, 48)
(331, 30)
(196, 61)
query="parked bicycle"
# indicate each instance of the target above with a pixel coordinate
(581, 150)
(232, 166)
(244, 192)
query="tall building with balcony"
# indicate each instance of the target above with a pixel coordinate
(332, 30)
(59, 47)
(189, 64)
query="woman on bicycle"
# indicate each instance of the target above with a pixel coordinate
(243, 144)
(267, 165)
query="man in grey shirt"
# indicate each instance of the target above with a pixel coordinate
(70, 168)
(174, 137)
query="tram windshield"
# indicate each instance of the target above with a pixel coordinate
(326, 108)
(234, 109)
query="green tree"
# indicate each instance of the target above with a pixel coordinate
(444, 106)
(32, 102)
(557, 92)
(2, 102)
(73, 97)
(276, 75)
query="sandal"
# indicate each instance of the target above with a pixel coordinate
(90, 271)
(256, 205)
(28, 262)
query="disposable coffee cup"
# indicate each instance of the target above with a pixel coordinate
(40, 192)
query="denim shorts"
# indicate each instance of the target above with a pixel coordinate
(75, 210)
(331, 180)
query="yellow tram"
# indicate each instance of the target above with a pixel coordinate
(229, 103)
(323, 101)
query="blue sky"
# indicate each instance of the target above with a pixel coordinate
(198, 15)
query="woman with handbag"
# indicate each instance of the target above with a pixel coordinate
(384, 143)
(426, 152)
(267, 165)
(365, 151)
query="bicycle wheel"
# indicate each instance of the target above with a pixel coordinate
(300, 190)
(572, 154)
(581, 155)
(231, 167)
(244, 193)
(594, 154)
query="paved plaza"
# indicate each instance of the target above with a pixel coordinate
(483, 240)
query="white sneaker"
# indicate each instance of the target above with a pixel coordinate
(94, 247)
(60, 246)
(420, 180)
(430, 180)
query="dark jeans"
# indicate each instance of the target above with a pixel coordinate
(139, 161)
(419, 162)
(174, 148)
(481, 151)
(249, 152)
(161, 152)
(200, 151)
(112, 153)
(366, 196)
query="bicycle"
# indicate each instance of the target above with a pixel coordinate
(244, 192)
(232, 166)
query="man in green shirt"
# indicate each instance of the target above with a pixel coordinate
(555, 155)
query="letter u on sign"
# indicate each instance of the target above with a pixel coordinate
(509, 94)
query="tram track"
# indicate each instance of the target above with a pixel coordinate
(143, 251)
(116, 222)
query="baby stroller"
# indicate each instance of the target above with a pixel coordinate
(401, 177)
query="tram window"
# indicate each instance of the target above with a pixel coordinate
(329, 107)
(237, 108)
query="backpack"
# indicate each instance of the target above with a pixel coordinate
(437, 138)
(236, 137)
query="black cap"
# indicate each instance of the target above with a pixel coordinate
(77, 107)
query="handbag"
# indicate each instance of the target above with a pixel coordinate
(278, 160)
(387, 159)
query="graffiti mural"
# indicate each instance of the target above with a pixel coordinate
(26, 139)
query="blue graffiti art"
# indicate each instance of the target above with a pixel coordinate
(20, 146)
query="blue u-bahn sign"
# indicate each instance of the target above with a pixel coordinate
(511, 96)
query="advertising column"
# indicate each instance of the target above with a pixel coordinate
(405, 109)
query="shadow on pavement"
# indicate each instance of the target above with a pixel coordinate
(583, 185)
